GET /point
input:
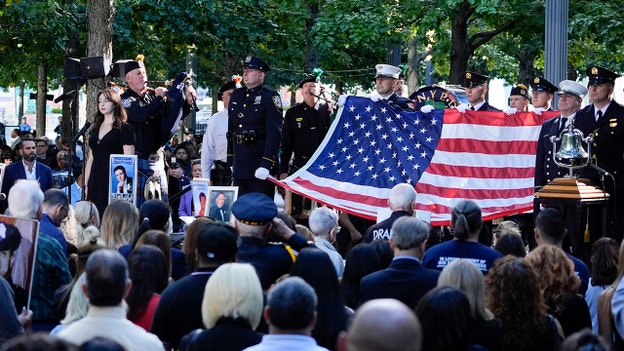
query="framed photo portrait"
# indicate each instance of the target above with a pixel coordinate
(221, 199)
(18, 238)
(122, 178)
(199, 187)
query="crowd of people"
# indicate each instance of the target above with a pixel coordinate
(108, 275)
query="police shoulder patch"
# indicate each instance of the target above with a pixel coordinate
(126, 102)
(277, 101)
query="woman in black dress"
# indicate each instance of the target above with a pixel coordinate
(110, 134)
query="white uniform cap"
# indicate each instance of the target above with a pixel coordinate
(572, 87)
(388, 71)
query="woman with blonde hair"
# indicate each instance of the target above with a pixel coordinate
(464, 275)
(119, 223)
(559, 285)
(231, 310)
(87, 214)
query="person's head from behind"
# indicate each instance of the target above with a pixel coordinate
(323, 222)
(86, 214)
(100, 343)
(503, 228)
(291, 307)
(189, 245)
(511, 244)
(399, 331)
(149, 275)
(107, 278)
(402, 198)
(40, 341)
(409, 234)
(467, 277)
(555, 272)
(549, 227)
(159, 239)
(153, 214)
(384, 250)
(216, 244)
(466, 220)
(445, 316)
(604, 261)
(78, 304)
(25, 199)
(119, 223)
(585, 340)
(253, 213)
(233, 291)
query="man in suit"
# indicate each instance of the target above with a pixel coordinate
(405, 279)
(571, 96)
(476, 86)
(219, 210)
(604, 121)
(28, 168)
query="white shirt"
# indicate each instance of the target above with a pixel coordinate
(214, 145)
(286, 342)
(110, 322)
(33, 175)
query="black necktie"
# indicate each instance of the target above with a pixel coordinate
(472, 108)
(599, 115)
(564, 120)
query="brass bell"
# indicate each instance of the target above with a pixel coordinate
(571, 154)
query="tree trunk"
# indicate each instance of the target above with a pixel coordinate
(460, 48)
(311, 53)
(99, 43)
(42, 92)
(413, 61)
(526, 60)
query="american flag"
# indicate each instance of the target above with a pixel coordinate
(488, 157)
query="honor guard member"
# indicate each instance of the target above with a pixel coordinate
(305, 127)
(385, 80)
(255, 130)
(214, 146)
(148, 113)
(476, 86)
(543, 92)
(518, 99)
(604, 121)
(255, 219)
(571, 95)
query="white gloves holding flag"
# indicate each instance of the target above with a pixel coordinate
(261, 173)
(511, 111)
(427, 109)
(341, 100)
(462, 107)
(539, 110)
(375, 97)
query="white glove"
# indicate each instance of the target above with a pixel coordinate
(539, 110)
(511, 111)
(427, 109)
(341, 100)
(261, 173)
(375, 97)
(462, 107)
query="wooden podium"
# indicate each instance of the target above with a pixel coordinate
(570, 195)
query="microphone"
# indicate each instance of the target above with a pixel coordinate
(81, 132)
(65, 96)
(599, 170)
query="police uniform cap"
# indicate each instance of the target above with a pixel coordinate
(10, 237)
(227, 86)
(473, 79)
(541, 84)
(572, 87)
(254, 209)
(521, 90)
(256, 63)
(133, 64)
(387, 71)
(308, 78)
(217, 241)
(598, 75)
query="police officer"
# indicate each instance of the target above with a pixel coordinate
(604, 121)
(543, 92)
(147, 111)
(304, 129)
(518, 99)
(254, 131)
(255, 215)
(476, 86)
(571, 95)
(385, 82)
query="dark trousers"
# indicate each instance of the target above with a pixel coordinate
(253, 185)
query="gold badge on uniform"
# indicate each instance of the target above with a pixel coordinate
(468, 75)
(613, 122)
(298, 120)
(594, 70)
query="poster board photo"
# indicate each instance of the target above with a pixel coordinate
(122, 175)
(220, 202)
(18, 238)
